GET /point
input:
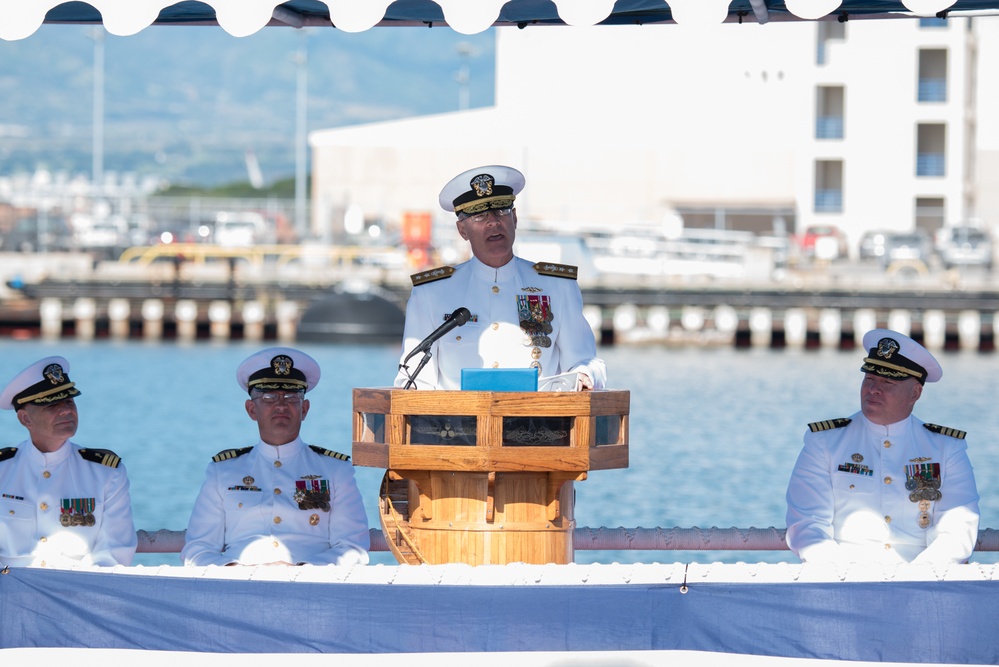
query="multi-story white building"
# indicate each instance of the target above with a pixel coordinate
(889, 124)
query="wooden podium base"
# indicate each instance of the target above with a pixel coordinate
(480, 518)
(485, 478)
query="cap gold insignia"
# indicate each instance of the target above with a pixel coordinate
(483, 185)
(887, 347)
(857, 458)
(53, 373)
(248, 480)
(314, 520)
(282, 365)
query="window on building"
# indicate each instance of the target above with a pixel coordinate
(929, 214)
(829, 112)
(931, 150)
(828, 31)
(828, 186)
(932, 75)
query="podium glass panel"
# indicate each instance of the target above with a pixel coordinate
(456, 430)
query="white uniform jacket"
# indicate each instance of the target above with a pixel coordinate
(278, 503)
(64, 508)
(866, 492)
(520, 319)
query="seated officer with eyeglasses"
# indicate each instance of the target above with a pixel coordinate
(522, 314)
(280, 502)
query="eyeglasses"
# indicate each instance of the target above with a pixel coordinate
(485, 215)
(294, 398)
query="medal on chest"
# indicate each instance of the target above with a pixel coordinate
(312, 494)
(535, 313)
(77, 512)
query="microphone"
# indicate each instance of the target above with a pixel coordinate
(456, 319)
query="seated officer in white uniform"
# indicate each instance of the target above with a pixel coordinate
(523, 315)
(280, 502)
(881, 485)
(61, 504)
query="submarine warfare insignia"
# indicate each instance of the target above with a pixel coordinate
(77, 512)
(536, 315)
(312, 494)
(922, 481)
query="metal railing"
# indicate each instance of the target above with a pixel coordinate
(609, 539)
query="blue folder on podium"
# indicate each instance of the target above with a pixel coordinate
(499, 379)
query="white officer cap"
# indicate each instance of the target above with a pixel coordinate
(278, 368)
(43, 383)
(894, 355)
(481, 189)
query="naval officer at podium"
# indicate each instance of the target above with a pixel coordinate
(515, 313)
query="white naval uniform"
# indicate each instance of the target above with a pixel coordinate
(247, 513)
(33, 488)
(493, 338)
(847, 500)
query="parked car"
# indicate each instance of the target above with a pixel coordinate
(964, 245)
(826, 242)
(906, 247)
(872, 245)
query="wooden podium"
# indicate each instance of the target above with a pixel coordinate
(483, 477)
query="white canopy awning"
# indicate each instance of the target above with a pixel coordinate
(20, 18)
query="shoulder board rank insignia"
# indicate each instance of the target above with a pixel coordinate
(557, 270)
(7, 453)
(231, 454)
(828, 424)
(329, 452)
(103, 456)
(946, 430)
(429, 276)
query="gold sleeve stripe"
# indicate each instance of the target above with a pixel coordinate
(946, 430)
(828, 424)
(230, 454)
(329, 452)
(103, 456)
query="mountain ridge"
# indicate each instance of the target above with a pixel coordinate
(187, 103)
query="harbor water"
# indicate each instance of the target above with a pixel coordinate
(714, 431)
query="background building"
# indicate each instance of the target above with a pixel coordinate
(771, 129)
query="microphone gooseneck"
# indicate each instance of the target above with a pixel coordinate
(456, 319)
